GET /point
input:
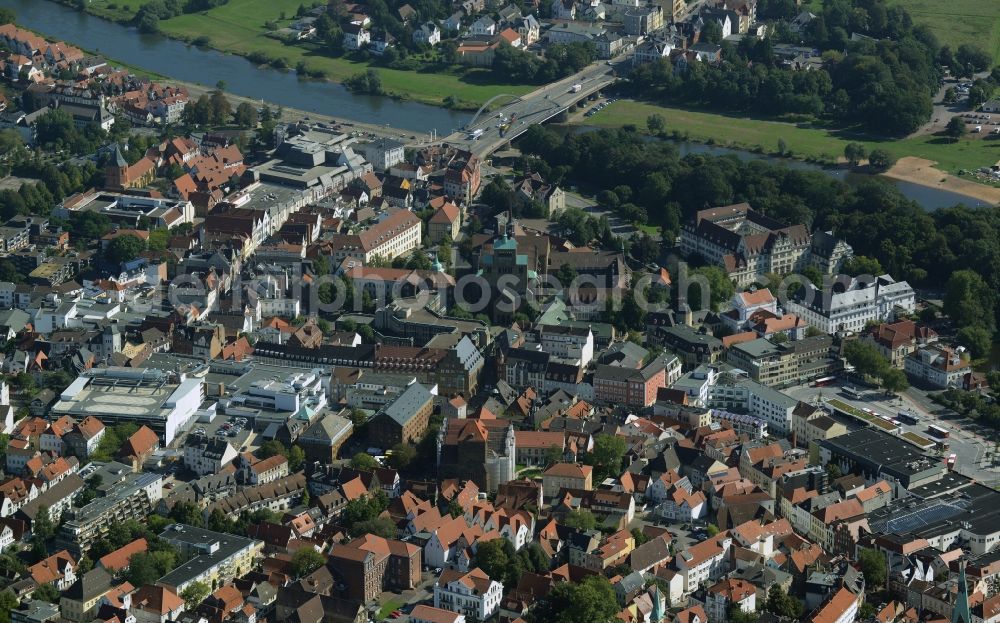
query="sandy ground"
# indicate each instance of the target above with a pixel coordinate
(922, 171)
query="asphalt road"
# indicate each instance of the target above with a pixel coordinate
(536, 107)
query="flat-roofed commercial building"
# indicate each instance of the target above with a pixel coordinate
(163, 401)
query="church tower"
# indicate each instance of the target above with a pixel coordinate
(116, 172)
(961, 613)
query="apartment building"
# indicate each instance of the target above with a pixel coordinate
(534, 447)
(635, 387)
(471, 593)
(570, 343)
(218, 559)
(566, 476)
(396, 234)
(703, 562)
(123, 495)
(896, 341)
(938, 366)
(810, 424)
(207, 455)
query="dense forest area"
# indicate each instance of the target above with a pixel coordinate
(957, 248)
(882, 79)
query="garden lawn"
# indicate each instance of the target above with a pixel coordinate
(387, 609)
(114, 10)
(803, 142)
(238, 27)
(959, 21)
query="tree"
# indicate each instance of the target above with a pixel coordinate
(580, 520)
(245, 115)
(969, 300)
(782, 604)
(8, 601)
(712, 529)
(47, 592)
(553, 455)
(219, 109)
(358, 418)
(973, 56)
(143, 569)
(880, 159)
(402, 456)
(711, 32)
(124, 249)
(720, 287)
(566, 275)
(592, 600)
(873, 567)
(656, 124)
(494, 558)
(955, 128)
(296, 458)
(861, 265)
(855, 153)
(195, 593)
(42, 528)
(272, 448)
(380, 526)
(186, 513)
(364, 462)
(606, 457)
(977, 339)
(305, 560)
(7, 16)
(893, 380)
(865, 358)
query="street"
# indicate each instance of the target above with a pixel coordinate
(533, 108)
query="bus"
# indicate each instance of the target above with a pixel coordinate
(908, 416)
(852, 392)
(824, 382)
(936, 431)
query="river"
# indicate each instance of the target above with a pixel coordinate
(928, 198)
(178, 60)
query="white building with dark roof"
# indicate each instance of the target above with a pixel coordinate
(880, 300)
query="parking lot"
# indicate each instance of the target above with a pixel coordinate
(972, 444)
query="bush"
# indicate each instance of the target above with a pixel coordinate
(203, 41)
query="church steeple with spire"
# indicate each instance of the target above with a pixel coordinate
(961, 613)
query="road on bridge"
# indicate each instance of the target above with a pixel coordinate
(536, 107)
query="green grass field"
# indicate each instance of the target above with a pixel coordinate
(960, 21)
(804, 142)
(238, 27)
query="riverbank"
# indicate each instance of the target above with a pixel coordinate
(174, 61)
(922, 171)
(293, 115)
(809, 143)
(289, 114)
(238, 28)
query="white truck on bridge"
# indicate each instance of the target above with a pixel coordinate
(475, 134)
(575, 88)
